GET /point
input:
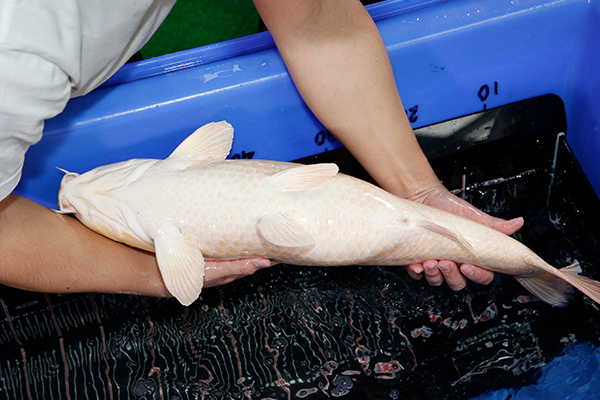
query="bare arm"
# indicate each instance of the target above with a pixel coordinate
(339, 63)
(44, 251)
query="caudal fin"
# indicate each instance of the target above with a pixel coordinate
(556, 288)
(588, 286)
(548, 287)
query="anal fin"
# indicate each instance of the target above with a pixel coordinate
(181, 263)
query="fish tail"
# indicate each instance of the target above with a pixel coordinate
(588, 286)
(556, 287)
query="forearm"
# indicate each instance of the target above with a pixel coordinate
(45, 251)
(340, 65)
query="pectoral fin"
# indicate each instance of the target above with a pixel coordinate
(283, 230)
(180, 262)
(447, 233)
(304, 177)
(209, 143)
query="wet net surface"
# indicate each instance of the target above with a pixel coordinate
(295, 332)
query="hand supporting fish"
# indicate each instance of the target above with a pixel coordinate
(434, 194)
(196, 205)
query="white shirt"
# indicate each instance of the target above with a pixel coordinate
(52, 50)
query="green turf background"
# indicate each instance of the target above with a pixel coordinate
(194, 23)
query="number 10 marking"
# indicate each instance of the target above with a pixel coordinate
(484, 93)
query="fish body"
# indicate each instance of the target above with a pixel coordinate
(196, 205)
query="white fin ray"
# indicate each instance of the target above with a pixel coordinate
(181, 263)
(304, 177)
(556, 288)
(447, 233)
(588, 286)
(209, 143)
(283, 230)
(548, 287)
(572, 269)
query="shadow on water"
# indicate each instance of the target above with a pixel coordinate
(295, 332)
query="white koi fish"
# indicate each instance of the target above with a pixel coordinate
(196, 205)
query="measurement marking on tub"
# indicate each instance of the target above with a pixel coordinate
(323, 136)
(484, 93)
(411, 113)
(243, 155)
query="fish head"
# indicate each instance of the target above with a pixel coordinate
(97, 200)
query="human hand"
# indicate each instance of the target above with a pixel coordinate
(220, 272)
(436, 271)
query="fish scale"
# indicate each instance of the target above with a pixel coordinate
(227, 217)
(196, 205)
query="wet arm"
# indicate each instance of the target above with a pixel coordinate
(340, 65)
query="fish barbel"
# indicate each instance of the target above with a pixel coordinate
(196, 205)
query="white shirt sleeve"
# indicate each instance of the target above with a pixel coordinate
(53, 50)
(32, 89)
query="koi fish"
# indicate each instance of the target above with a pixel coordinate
(196, 205)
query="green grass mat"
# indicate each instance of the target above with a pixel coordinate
(195, 23)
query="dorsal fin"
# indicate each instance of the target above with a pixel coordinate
(304, 177)
(209, 143)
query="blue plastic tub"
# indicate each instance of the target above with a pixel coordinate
(450, 58)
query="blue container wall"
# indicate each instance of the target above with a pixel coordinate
(450, 58)
(584, 100)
